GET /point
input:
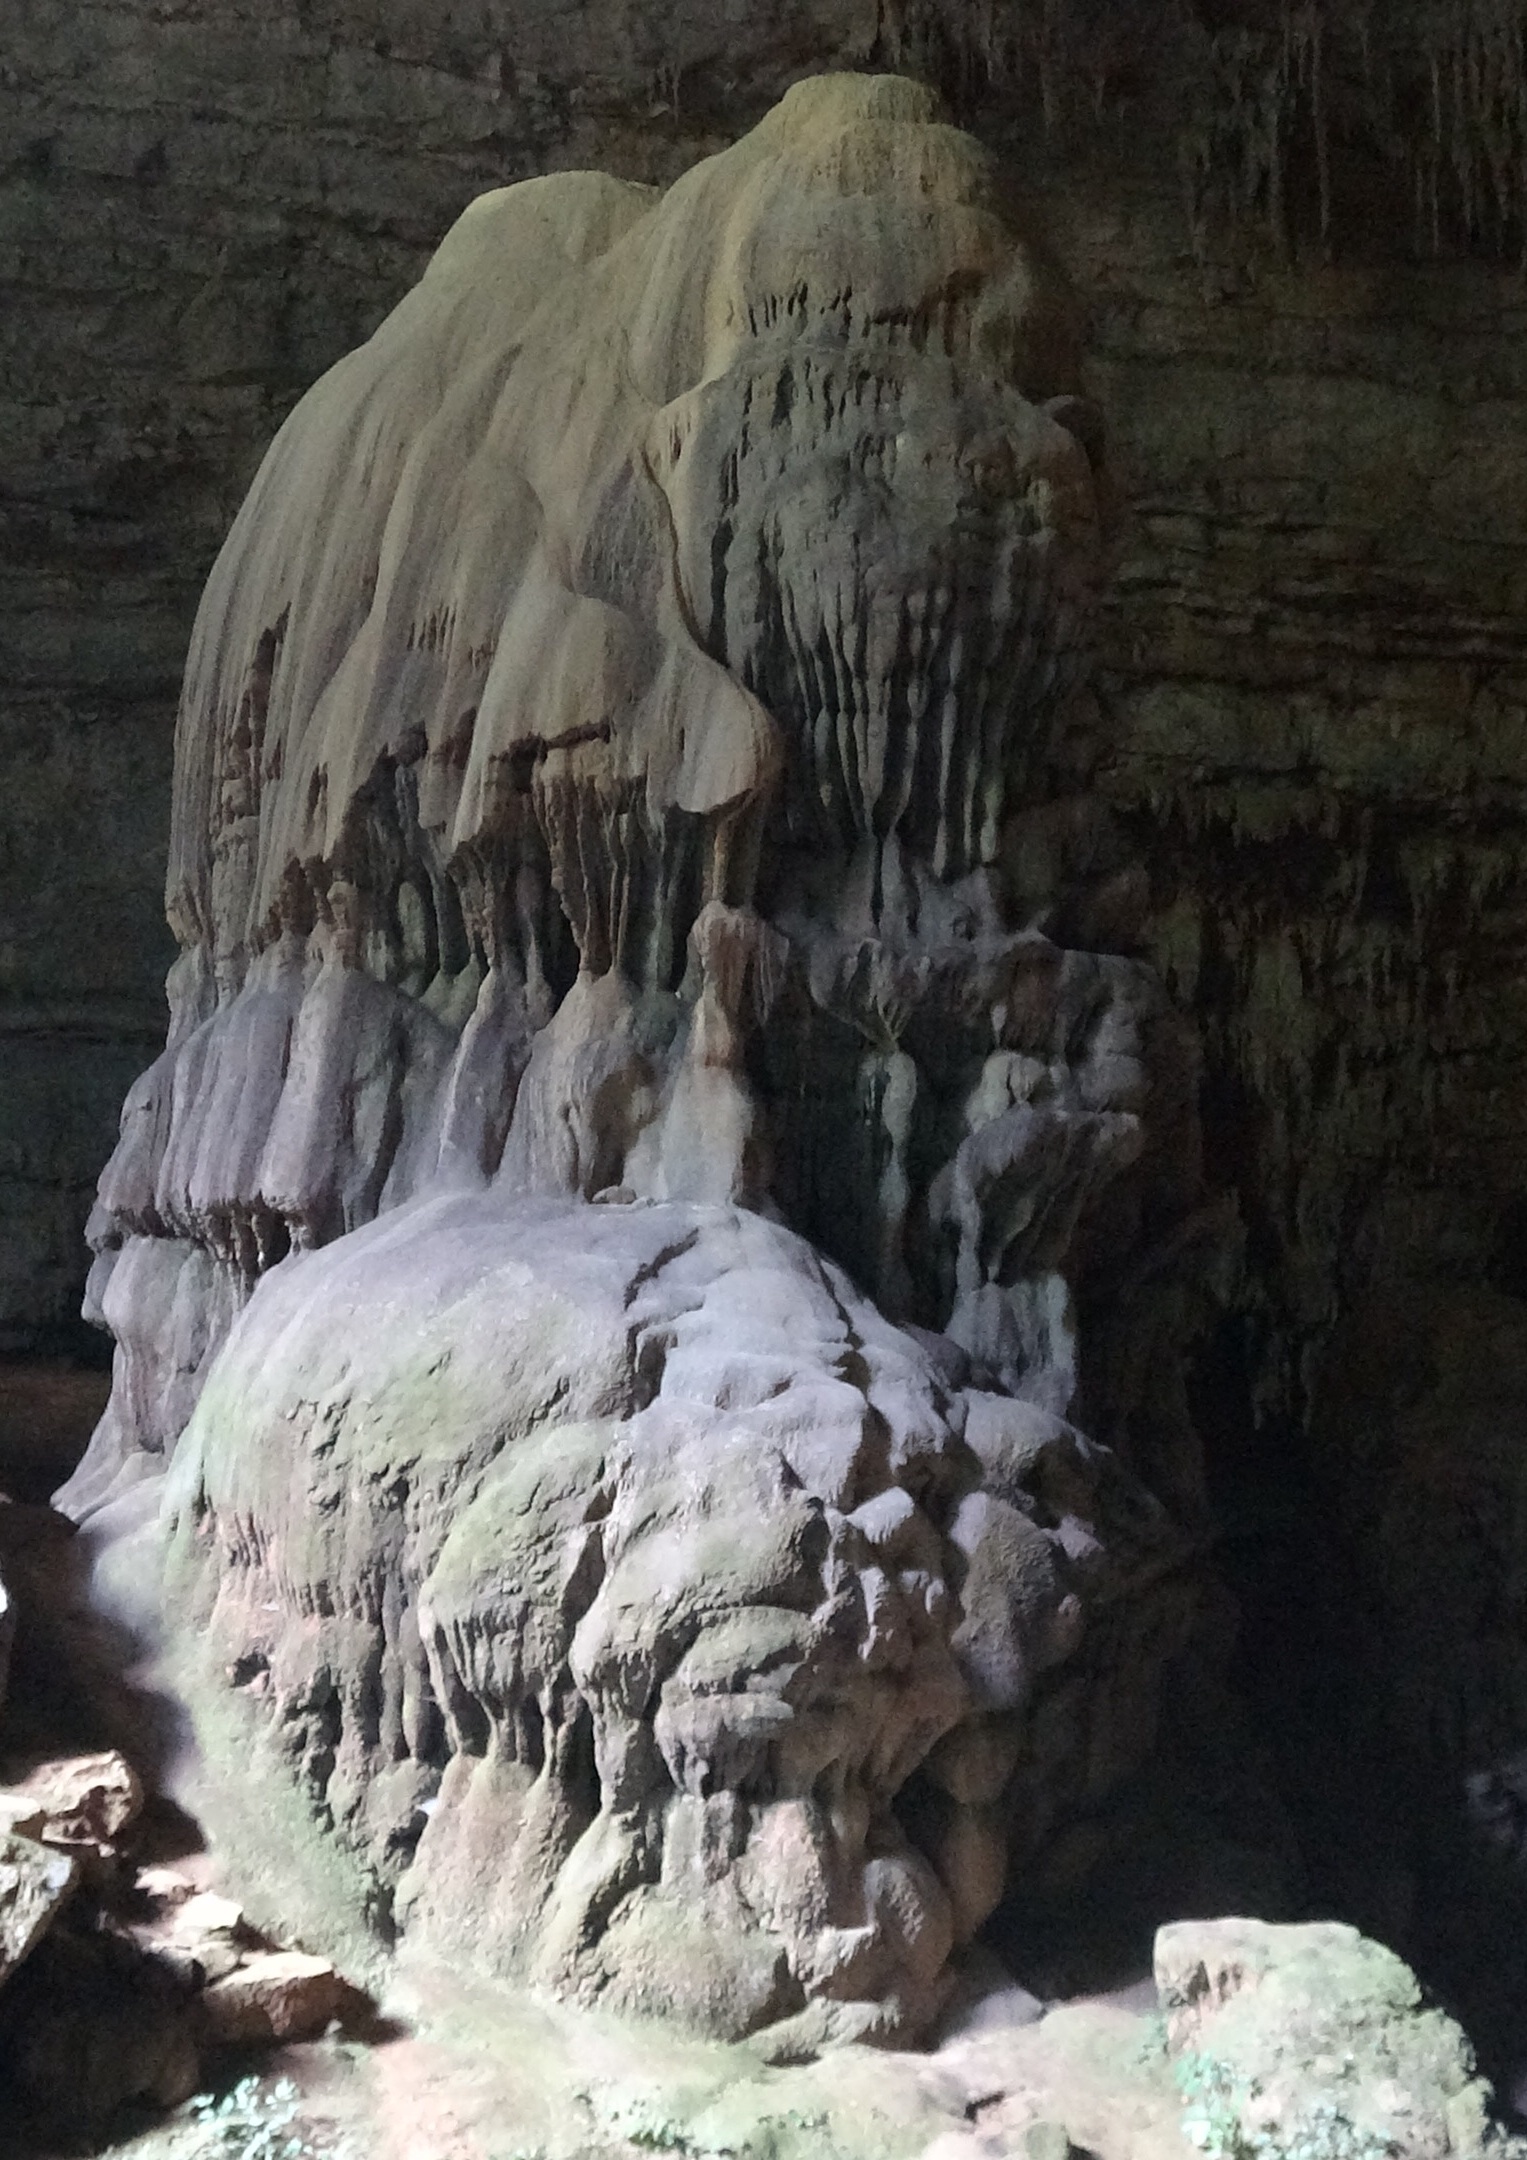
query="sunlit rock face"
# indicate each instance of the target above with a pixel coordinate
(633, 1203)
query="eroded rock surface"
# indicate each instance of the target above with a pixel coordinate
(85, 1802)
(643, 1564)
(598, 843)
(646, 637)
(1313, 2038)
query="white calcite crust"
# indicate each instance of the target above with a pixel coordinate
(633, 1208)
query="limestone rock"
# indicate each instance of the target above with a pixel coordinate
(165, 1888)
(84, 1801)
(22, 1816)
(280, 1995)
(1318, 688)
(627, 1539)
(205, 1912)
(515, 792)
(207, 1937)
(598, 757)
(1314, 2036)
(35, 1885)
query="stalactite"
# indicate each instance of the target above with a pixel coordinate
(1322, 127)
(1481, 136)
(1266, 102)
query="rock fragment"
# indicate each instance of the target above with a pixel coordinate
(276, 1995)
(165, 1888)
(207, 1938)
(206, 1912)
(35, 1885)
(85, 1802)
(21, 1815)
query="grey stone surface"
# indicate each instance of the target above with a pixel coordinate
(642, 824)
(602, 730)
(644, 1566)
(1312, 710)
(35, 1885)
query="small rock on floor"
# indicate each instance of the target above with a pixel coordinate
(282, 1995)
(35, 1884)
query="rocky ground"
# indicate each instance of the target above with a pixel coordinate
(123, 1983)
(1253, 2042)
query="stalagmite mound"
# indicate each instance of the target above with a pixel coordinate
(607, 1574)
(636, 1206)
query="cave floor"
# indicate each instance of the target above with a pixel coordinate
(462, 2071)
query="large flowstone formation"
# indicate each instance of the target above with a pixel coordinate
(636, 1206)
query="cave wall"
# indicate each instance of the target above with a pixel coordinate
(1318, 661)
(1316, 681)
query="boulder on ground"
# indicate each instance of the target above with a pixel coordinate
(281, 1995)
(1313, 2040)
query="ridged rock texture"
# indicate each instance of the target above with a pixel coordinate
(601, 750)
(1313, 356)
